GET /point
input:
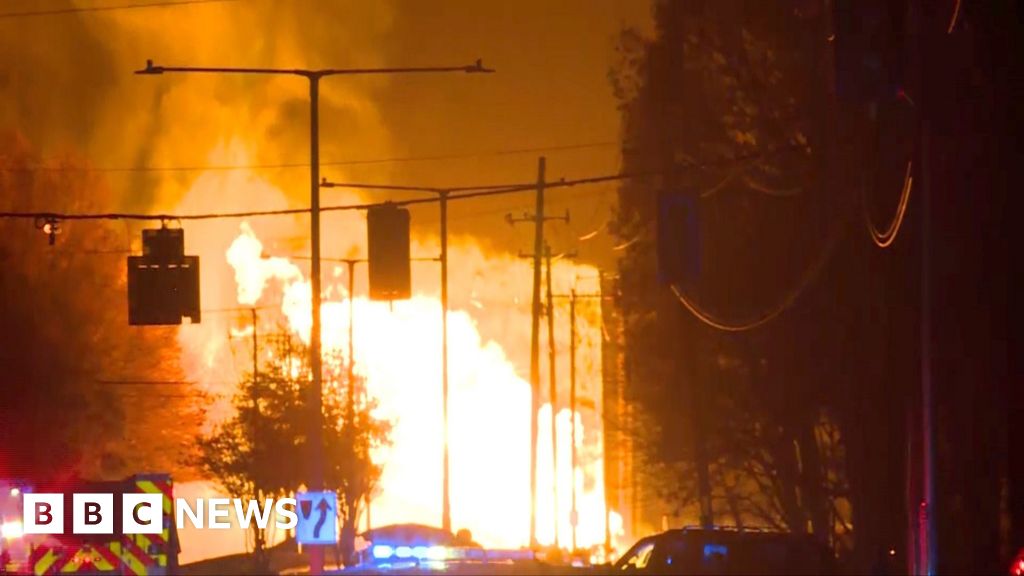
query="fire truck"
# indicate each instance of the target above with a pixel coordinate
(113, 554)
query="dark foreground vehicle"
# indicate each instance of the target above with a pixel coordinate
(724, 551)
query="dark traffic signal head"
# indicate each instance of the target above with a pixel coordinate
(163, 283)
(387, 229)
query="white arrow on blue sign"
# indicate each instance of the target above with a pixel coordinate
(317, 511)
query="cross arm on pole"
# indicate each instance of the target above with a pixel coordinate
(474, 68)
(152, 69)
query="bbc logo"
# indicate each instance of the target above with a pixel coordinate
(93, 514)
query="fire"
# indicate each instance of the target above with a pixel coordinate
(398, 349)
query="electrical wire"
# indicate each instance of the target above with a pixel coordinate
(146, 382)
(470, 192)
(884, 239)
(464, 193)
(288, 165)
(953, 19)
(718, 187)
(785, 304)
(626, 244)
(592, 234)
(759, 187)
(113, 8)
(691, 163)
(150, 217)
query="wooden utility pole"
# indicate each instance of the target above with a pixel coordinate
(538, 219)
(538, 245)
(573, 514)
(552, 392)
(573, 297)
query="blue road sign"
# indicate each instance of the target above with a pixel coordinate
(317, 511)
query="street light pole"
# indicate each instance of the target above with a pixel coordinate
(316, 437)
(350, 263)
(316, 479)
(446, 510)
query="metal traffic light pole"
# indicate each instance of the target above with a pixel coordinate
(442, 194)
(316, 553)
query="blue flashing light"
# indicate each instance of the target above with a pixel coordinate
(383, 551)
(403, 552)
(713, 549)
(437, 553)
(419, 552)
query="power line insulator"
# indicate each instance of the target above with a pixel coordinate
(387, 230)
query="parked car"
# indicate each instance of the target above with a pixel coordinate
(727, 551)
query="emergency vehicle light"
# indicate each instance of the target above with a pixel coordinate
(11, 530)
(383, 551)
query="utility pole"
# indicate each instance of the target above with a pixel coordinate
(538, 245)
(574, 513)
(573, 297)
(316, 471)
(553, 391)
(538, 219)
(553, 384)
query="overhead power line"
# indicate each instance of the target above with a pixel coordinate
(885, 238)
(463, 193)
(808, 278)
(467, 192)
(290, 165)
(372, 161)
(110, 8)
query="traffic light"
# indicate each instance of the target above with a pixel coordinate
(387, 230)
(163, 283)
(678, 238)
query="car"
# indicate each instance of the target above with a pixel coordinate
(727, 551)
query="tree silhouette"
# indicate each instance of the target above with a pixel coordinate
(261, 451)
(67, 351)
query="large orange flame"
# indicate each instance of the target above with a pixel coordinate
(398, 349)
